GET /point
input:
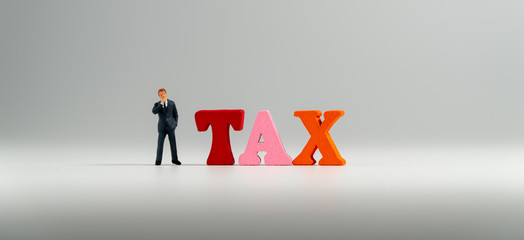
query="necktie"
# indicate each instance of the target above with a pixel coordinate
(164, 105)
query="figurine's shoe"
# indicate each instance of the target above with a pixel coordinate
(176, 162)
(158, 163)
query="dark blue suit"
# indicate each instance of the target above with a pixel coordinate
(167, 122)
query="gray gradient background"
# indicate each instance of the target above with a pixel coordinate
(432, 92)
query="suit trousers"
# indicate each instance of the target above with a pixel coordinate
(172, 142)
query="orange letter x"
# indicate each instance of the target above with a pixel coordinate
(320, 138)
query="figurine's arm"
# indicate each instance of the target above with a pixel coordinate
(175, 112)
(157, 108)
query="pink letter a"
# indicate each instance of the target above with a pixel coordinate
(276, 154)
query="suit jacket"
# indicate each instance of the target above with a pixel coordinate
(166, 117)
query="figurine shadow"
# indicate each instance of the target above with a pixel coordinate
(139, 165)
(172, 165)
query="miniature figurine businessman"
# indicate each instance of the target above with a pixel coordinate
(167, 122)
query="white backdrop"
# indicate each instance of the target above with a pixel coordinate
(432, 131)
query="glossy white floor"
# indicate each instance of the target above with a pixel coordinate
(401, 192)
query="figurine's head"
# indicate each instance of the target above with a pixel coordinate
(162, 94)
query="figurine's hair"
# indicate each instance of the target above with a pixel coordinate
(162, 90)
